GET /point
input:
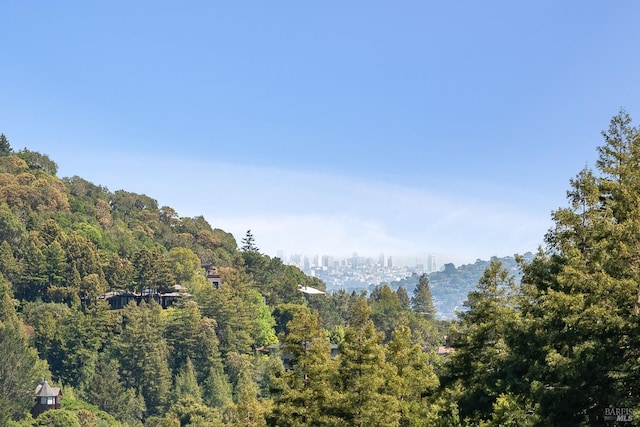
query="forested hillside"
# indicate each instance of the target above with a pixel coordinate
(451, 285)
(550, 340)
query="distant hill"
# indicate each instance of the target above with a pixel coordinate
(451, 285)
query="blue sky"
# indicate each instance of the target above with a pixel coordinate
(409, 128)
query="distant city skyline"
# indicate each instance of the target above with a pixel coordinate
(428, 263)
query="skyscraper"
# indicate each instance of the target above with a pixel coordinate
(432, 264)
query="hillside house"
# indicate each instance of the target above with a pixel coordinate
(47, 398)
(212, 275)
(120, 299)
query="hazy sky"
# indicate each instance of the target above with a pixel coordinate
(409, 127)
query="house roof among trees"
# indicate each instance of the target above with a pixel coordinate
(45, 390)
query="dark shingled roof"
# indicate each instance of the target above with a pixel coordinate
(45, 390)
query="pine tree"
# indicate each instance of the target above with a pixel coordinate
(105, 390)
(217, 390)
(186, 384)
(56, 264)
(20, 367)
(403, 296)
(422, 301)
(386, 310)
(582, 297)
(307, 396)
(248, 411)
(414, 380)
(229, 305)
(5, 147)
(9, 266)
(143, 355)
(192, 336)
(364, 375)
(249, 243)
(481, 347)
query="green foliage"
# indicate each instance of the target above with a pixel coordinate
(307, 397)
(151, 271)
(191, 337)
(143, 355)
(403, 296)
(249, 243)
(186, 384)
(230, 306)
(364, 376)
(12, 230)
(104, 389)
(5, 147)
(264, 333)
(20, 367)
(57, 418)
(414, 380)
(248, 410)
(38, 161)
(189, 412)
(482, 343)
(10, 268)
(88, 415)
(386, 310)
(422, 300)
(184, 263)
(217, 390)
(67, 338)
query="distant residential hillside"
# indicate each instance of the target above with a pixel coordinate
(451, 285)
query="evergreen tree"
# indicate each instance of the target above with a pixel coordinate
(386, 310)
(119, 272)
(217, 390)
(248, 411)
(20, 367)
(5, 147)
(186, 384)
(478, 364)
(415, 381)
(307, 396)
(56, 263)
(422, 301)
(249, 243)
(81, 340)
(12, 230)
(152, 272)
(191, 336)
(32, 283)
(403, 296)
(105, 390)
(229, 305)
(364, 375)
(143, 355)
(9, 266)
(188, 412)
(581, 298)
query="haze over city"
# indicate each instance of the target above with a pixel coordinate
(411, 129)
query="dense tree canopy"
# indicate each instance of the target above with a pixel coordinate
(555, 343)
